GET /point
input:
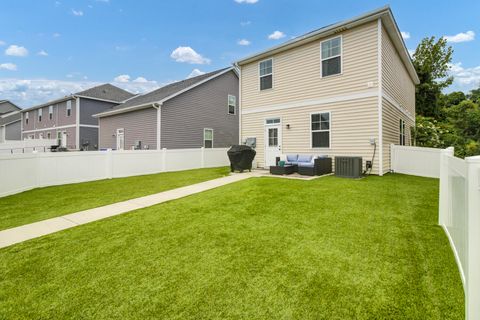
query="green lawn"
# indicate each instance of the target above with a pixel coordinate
(262, 248)
(43, 203)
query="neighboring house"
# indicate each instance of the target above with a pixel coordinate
(196, 112)
(69, 119)
(331, 92)
(10, 125)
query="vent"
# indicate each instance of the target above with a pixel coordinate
(348, 167)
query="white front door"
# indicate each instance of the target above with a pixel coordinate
(120, 139)
(62, 139)
(273, 143)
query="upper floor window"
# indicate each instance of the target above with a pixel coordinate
(331, 52)
(266, 74)
(320, 125)
(26, 117)
(208, 138)
(50, 112)
(69, 108)
(402, 132)
(40, 115)
(232, 104)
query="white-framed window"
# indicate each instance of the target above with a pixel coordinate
(50, 112)
(208, 138)
(232, 104)
(320, 129)
(402, 132)
(26, 117)
(31, 136)
(40, 112)
(272, 121)
(69, 108)
(49, 135)
(40, 136)
(265, 71)
(331, 56)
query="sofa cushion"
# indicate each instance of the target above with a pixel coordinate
(306, 164)
(305, 158)
(292, 157)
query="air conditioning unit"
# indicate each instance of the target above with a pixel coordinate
(348, 167)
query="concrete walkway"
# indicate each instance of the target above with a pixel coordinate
(15, 235)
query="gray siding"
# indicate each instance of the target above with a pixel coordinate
(206, 106)
(89, 135)
(139, 125)
(59, 118)
(90, 107)
(13, 131)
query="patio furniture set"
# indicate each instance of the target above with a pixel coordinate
(307, 165)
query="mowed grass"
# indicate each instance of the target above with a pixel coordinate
(262, 248)
(44, 203)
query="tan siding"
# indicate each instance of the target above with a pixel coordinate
(396, 81)
(391, 130)
(297, 71)
(353, 123)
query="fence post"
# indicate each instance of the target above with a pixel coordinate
(444, 185)
(109, 164)
(472, 292)
(202, 161)
(164, 159)
(393, 161)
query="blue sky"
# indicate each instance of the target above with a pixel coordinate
(50, 48)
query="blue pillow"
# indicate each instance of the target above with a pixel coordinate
(292, 157)
(304, 158)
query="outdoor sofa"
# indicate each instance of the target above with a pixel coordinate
(310, 165)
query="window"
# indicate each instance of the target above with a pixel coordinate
(50, 112)
(272, 121)
(49, 135)
(26, 117)
(402, 132)
(331, 52)
(272, 137)
(232, 104)
(266, 74)
(40, 136)
(320, 125)
(40, 115)
(69, 108)
(208, 138)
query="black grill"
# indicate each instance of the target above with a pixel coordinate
(241, 157)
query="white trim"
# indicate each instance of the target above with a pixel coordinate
(159, 125)
(265, 136)
(329, 130)
(98, 99)
(51, 128)
(77, 123)
(380, 94)
(340, 55)
(204, 129)
(89, 126)
(398, 106)
(259, 76)
(6, 124)
(116, 138)
(239, 106)
(68, 107)
(50, 112)
(307, 103)
(6, 115)
(149, 104)
(234, 106)
(455, 253)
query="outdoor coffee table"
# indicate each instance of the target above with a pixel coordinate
(287, 169)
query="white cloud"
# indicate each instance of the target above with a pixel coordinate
(56, 35)
(276, 35)
(187, 54)
(8, 66)
(2, 43)
(461, 37)
(77, 13)
(244, 42)
(16, 51)
(246, 1)
(405, 35)
(42, 53)
(465, 77)
(194, 73)
(140, 80)
(245, 23)
(122, 78)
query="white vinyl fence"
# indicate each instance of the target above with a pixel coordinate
(459, 215)
(418, 161)
(26, 146)
(20, 172)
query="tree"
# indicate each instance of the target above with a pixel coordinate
(465, 121)
(431, 60)
(451, 99)
(474, 95)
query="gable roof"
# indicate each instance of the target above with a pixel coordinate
(105, 92)
(6, 107)
(388, 21)
(164, 93)
(10, 117)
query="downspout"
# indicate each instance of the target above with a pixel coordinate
(239, 102)
(158, 107)
(380, 99)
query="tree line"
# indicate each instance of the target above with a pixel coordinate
(443, 120)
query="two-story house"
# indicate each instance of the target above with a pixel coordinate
(69, 119)
(192, 113)
(10, 126)
(345, 89)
